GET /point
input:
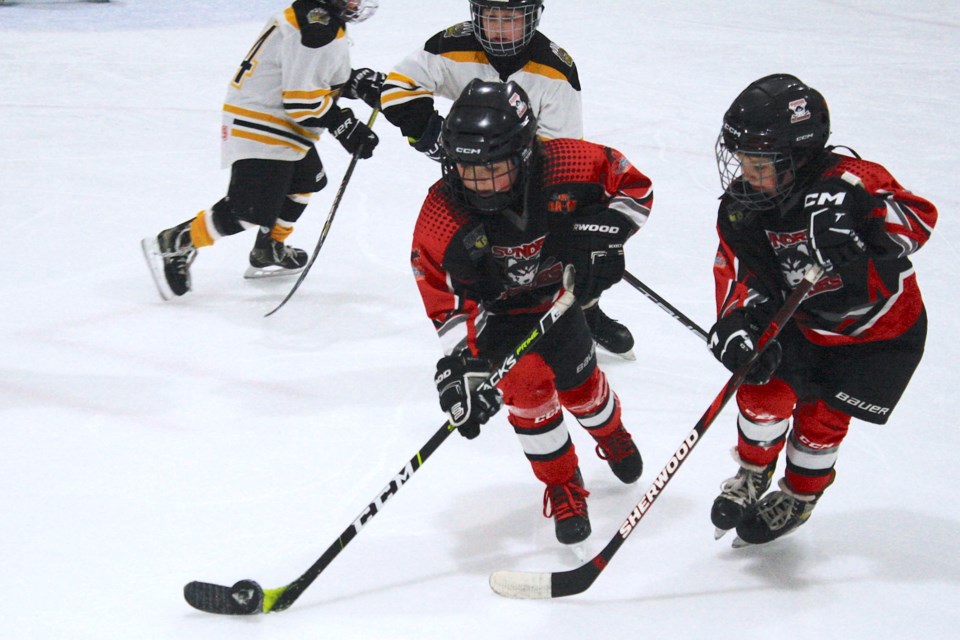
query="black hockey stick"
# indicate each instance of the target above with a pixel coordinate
(533, 585)
(652, 295)
(247, 597)
(326, 225)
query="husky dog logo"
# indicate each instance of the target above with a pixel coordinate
(798, 111)
(522, 272)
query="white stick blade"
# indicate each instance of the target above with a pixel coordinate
(521, 584)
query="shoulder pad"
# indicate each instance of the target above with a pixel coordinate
(548, 53)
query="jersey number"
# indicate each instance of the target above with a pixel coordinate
(250, 62)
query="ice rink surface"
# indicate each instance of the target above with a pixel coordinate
(146, 444)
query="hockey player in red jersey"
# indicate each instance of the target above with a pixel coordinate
(500, 42)
(489, 249)
(790, 202)
(284, 93)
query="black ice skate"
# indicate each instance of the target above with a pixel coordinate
(609, 334)
(169, 256)
(739, 493)
(777, 514)
(621, 453)
(271, 258)
(567, 505)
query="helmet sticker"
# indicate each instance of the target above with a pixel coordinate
(799, 111)
(517, 103)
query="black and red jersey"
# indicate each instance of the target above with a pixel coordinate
(468, 265)
(872, 299)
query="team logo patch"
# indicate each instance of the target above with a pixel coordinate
(799, 111)
(565, 57)
(318, 16)
(476, 241)
(562, 203)
(457, 30)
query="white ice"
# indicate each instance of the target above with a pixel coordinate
(146, 444)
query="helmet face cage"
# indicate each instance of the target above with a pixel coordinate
(353, 10)
(778, 167)
(771, 131)
(465, 187)
(505, 27)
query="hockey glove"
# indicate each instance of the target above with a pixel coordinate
(733, 340)
(354, 136)
(429, 141)
(464, 393)
(596, 250)
(364, 84)
(836, 208)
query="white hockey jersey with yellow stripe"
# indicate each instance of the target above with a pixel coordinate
(288, 81)
(452, 58)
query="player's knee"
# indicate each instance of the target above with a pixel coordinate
(771, 402)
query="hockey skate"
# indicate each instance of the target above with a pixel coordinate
(609, 334)
(739, 493)
(621, 453)
(775, 515)
(169, 256)
(270, 258)
(567, 504)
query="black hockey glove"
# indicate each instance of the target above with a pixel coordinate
(596, 250)
(364, 84)
(465, 394)
(836, 208)
(733, 340)
(353, 135)
(429, 141)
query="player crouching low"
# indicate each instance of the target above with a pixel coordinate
(489, 249)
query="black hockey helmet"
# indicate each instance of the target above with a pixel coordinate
(492, 42)
(490, 122)
(351, 10)
(777, 118)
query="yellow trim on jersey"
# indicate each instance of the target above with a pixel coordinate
(307, 94)
(394, 76)
(543, 70)
(478, 57)
(401, 94)
(291, 17)
(256, 137)
(257, 115)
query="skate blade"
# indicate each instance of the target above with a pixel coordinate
(151, 252)
(626, 355)
(719, 533)
(580, 550)
(258, 273)
(740, 543)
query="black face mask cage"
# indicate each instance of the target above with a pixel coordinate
(730, 167)
(531, 20)
(485, 203)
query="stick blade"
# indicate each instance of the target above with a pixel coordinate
(524, 585)
(242, 599)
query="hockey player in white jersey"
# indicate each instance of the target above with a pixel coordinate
(282, 96)
(500, 42)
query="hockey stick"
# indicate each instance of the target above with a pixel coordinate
(247, 597)
(652, 295)
(326, 225)
(533, 585)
